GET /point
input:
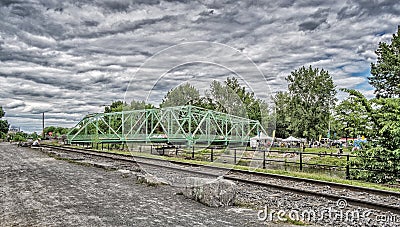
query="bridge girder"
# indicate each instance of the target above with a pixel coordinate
(180, 124)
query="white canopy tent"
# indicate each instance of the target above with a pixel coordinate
(291, 139)
(261, 139)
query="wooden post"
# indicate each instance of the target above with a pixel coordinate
(301, 161)
(264, 158)
(347, 167)
(234, 157)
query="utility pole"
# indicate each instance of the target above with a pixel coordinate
(43, 125)
(329, 120)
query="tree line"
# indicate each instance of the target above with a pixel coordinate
(3, 124)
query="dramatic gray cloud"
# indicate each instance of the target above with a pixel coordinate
(69, 58)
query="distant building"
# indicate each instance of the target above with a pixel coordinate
(14, 130)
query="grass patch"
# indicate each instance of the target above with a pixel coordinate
(285, 149)
(319, 150)
(293, 222)
(328, 160)
(316, 150)
(244, 162)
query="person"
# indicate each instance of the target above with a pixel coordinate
(36, 143)
(340, 148)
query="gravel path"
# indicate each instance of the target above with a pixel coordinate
(37, 190)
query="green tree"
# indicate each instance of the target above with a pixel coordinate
(116, 106)
(56, 131)
(182, 95)
(282, 114)
(387, 118)
(384, 155)
(380, 158)
(20, 137)
(206, 103)
(139, 105)
(2, 113)
(34, 136)
(353, 115)
(115, 121)
(226, 98)
(385, 74)
(311, 94)
(3, 124)
(230, 97)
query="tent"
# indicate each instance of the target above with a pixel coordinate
(291, 139)
(261, 139)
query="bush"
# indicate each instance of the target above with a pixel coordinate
(19, 138)
(378, 165)
(384, 155)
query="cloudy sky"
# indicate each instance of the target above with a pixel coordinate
(69, 58)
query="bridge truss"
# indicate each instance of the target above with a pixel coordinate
(179, 125)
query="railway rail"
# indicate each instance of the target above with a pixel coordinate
(355, 195)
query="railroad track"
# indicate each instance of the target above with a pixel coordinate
(354, 195)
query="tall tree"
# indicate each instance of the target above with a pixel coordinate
(353, 115)
(311, 97)
(57, 131)
(139, 105)
(115, 122)
(384, 155)
(182, 95)
(282, 114)
(116, 106)
(3, 124)
(230, 97)
(2, 113)
(386, 72)
(226, 99)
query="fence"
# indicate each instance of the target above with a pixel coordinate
(240, 155)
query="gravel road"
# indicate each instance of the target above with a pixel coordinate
(37, 190)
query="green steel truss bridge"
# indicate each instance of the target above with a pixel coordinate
(178, 125)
